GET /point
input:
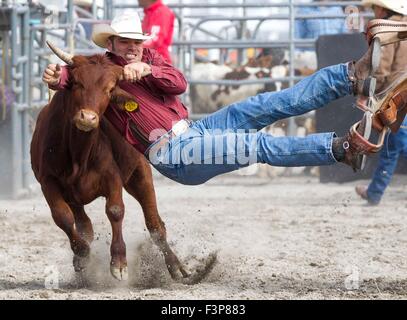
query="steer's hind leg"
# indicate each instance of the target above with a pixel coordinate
(140, 186)
(64, 218)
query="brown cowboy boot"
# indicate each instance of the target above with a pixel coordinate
(361, 190)
(355, 146)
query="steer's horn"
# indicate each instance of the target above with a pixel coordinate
(64, 56)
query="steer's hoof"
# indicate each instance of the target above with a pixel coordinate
(201, 271)
(80, 263)
(120, 274)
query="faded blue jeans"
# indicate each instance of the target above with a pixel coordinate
(394, 145)
(230, 139)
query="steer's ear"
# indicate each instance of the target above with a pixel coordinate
(120, 97)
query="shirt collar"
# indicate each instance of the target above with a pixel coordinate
(154, 6)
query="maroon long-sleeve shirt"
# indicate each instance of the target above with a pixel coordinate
(159, 106)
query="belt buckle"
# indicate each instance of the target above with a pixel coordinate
(180, 127)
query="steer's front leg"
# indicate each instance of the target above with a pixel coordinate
(64, 218)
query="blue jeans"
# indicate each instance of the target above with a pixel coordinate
(230, 139)
(394, 145)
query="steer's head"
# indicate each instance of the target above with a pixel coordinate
(94, 86)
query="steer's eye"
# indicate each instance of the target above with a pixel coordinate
(78, 85)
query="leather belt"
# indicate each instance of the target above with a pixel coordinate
(177, 129)
(140, 135)
(180, 127)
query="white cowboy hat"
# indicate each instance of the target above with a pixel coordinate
(125, 25)
(399, 6)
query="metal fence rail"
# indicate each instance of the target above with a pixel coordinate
(24, 57)
(14, 135)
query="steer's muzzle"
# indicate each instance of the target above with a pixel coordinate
(86, 120)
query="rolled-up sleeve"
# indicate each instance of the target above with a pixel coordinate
(166, 77)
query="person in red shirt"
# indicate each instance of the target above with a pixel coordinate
(158, 21)
(193, 152)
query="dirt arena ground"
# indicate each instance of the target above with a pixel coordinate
(281, 238)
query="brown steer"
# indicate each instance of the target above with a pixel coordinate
(77, 156)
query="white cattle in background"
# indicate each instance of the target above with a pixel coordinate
(278, 72)
(200, 94)
(305, 60)
(209, 98)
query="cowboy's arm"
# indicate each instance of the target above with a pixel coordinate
(165, 77)
(168, 80)
(160, 74)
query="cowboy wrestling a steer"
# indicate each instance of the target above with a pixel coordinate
(155, 121)
(150, 116)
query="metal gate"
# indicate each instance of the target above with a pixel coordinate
(24, 56)
(15, 169)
